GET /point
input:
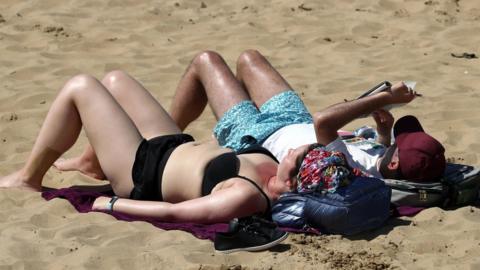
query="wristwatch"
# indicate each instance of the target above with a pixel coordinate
(111, 202)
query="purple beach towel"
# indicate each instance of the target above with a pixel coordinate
(408, 211)
(83, 200)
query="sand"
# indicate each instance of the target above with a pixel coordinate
(328, 50)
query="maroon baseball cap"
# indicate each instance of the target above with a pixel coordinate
(421, 157)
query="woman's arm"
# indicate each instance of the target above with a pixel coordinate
(237, 200)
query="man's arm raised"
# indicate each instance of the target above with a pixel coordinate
(328, 121)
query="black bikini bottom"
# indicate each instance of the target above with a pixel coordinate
(150, 161)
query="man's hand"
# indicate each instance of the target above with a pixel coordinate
(384, 121)
(400, 93)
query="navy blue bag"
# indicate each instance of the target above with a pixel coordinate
(362, 205)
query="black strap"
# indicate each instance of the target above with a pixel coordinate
(261, 191)
(257, 149)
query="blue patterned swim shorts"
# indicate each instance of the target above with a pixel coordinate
(244, 125)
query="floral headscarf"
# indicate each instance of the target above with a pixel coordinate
(324, 170)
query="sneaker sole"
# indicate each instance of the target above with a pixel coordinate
(256, 248)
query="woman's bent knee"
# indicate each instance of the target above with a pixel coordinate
(114, 78)
(80, 85)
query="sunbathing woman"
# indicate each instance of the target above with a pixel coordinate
(153, 168)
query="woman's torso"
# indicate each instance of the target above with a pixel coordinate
(185, 169)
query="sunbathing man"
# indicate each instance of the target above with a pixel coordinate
(264, 110)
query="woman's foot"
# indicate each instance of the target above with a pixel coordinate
(87, 166)
(18, 180)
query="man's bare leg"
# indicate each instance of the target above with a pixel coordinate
(147, 114)
(208, 78)
(260, 78)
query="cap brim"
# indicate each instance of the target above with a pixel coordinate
(407, 124)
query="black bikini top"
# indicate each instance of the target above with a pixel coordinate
(226, 166)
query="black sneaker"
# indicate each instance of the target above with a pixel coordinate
(249, 234)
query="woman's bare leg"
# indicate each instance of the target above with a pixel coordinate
(208, 78)
(147, 114)
(111, 132)
(87, 163)
(144, 110)
(260, 79)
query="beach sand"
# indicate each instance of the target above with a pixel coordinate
(328, 50)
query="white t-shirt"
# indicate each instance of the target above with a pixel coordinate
(360, 153)
(289, 137)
